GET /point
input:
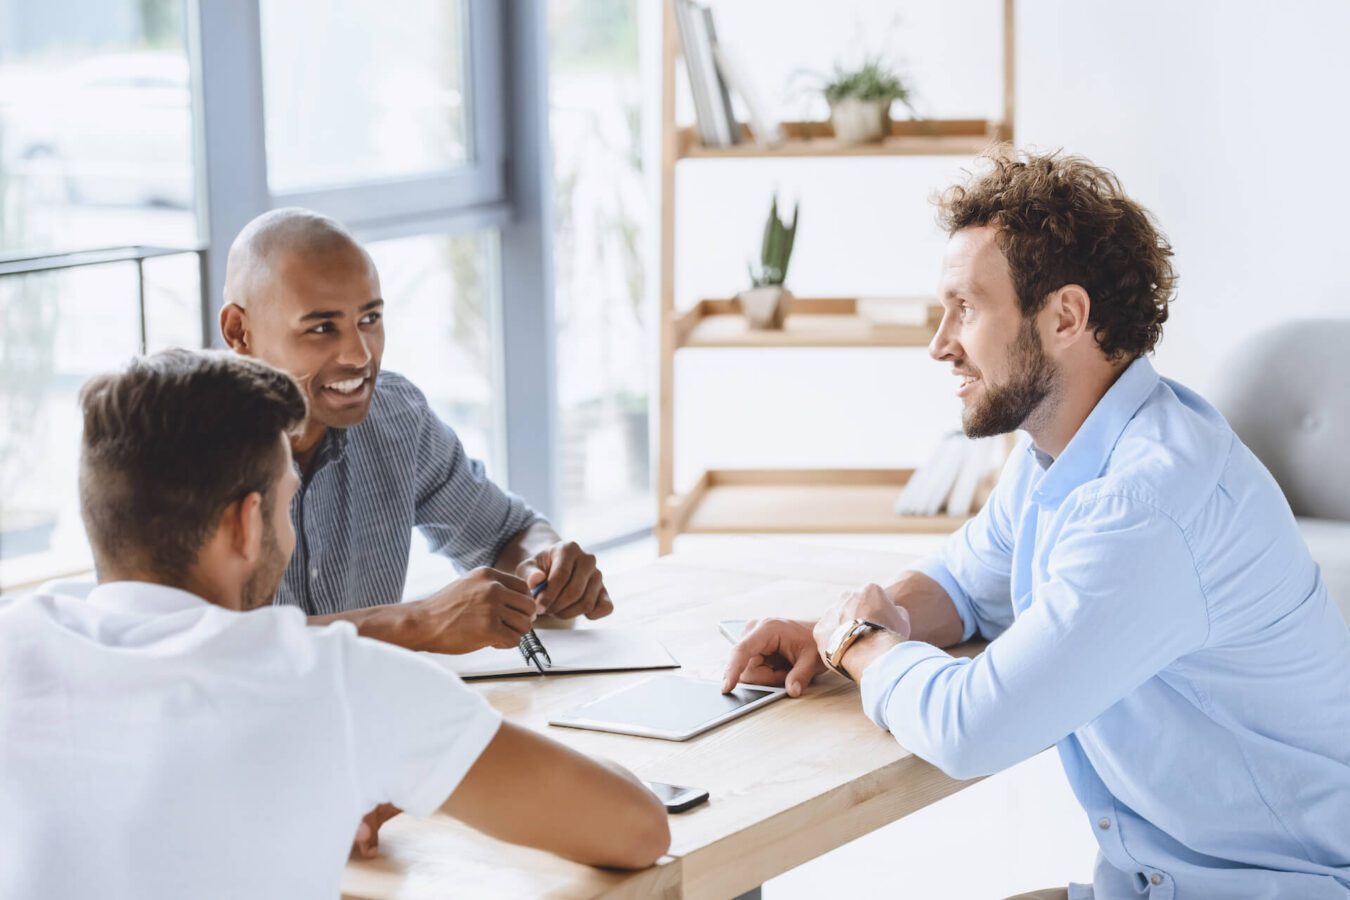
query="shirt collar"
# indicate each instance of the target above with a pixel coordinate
(332, 447)
(1086, 455)
(143, 597)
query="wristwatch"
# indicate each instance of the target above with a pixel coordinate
(843, 638)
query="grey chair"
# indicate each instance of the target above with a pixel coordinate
(1286, 392)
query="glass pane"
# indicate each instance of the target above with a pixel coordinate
(95, 126)
(605, 346)
(440, 294)
(56, 330)
(362, 90)
(440, 298)
(173, 303)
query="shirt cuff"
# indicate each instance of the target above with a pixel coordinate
(880, 678)
(937, 570)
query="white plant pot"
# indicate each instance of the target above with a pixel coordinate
(765, 307)
(859, 121)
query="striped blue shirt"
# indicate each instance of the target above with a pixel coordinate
(370, 485)
(1153, 613)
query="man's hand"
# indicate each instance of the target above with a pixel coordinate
(870, 603)
(774, 651)
(367, 841)
(483, 608)
(575, 585)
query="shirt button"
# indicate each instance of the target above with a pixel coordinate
(1103, 824)
(1156, 879)
(313, 571)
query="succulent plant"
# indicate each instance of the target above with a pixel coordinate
(776, 249)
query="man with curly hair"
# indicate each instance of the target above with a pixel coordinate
(1152, 610)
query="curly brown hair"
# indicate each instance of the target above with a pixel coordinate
(1061, 220)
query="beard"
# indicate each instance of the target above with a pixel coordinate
(1007, 407)
(262, 584)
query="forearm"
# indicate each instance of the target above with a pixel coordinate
(527, 789)
(932, 615)
(394, 623)
(524, 544)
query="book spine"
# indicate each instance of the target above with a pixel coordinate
(684, 18)
(728, 113)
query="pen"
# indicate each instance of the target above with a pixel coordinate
(530, 645)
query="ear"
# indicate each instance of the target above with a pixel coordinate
(234, 328)
(1067, 315)
(243, 524)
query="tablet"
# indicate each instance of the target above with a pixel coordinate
(670, 707)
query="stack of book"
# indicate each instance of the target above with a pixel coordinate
(956, 478)
(714, 74)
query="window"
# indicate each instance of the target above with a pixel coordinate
(362, 90)
(439, 323)
(126, 123)
(604, 317)
(96, 151)
(95, 126)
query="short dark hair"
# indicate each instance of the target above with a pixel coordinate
(169, 443)
(1061, 220)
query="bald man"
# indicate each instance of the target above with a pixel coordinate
(376, 462)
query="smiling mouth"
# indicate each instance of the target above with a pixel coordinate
(347, 387)
(967, 382)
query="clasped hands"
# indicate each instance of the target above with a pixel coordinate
(490, 608)
(791, 653)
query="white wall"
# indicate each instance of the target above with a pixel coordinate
(1227, 119)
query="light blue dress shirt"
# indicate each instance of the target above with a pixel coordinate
(1154, 614)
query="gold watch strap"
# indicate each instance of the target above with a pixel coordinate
(858, 629)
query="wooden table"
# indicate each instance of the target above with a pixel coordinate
(788, 783)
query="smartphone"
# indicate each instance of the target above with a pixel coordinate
(675, 797)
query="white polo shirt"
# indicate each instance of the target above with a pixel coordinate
(154, 745)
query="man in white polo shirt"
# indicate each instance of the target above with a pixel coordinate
(173, 735)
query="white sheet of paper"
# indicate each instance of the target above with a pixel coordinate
(572, 650)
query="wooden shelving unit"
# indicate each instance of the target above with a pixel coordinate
(814, 322)
(797, 501)
(750, 501)
(929, 137)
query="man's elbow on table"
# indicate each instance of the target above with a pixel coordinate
(528, 789)
(645, 840)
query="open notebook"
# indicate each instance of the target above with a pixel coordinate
(574, 650)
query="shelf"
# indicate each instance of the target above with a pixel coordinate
(812, 322)
(802, 501)
(929, 137)
(799, 501)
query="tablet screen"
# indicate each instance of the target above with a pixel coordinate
(668, 703)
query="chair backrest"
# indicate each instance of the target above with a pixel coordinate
(1286, 392)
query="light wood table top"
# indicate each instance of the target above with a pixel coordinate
(787, 783)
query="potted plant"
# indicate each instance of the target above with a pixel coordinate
(766, 304)
(860, 100)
